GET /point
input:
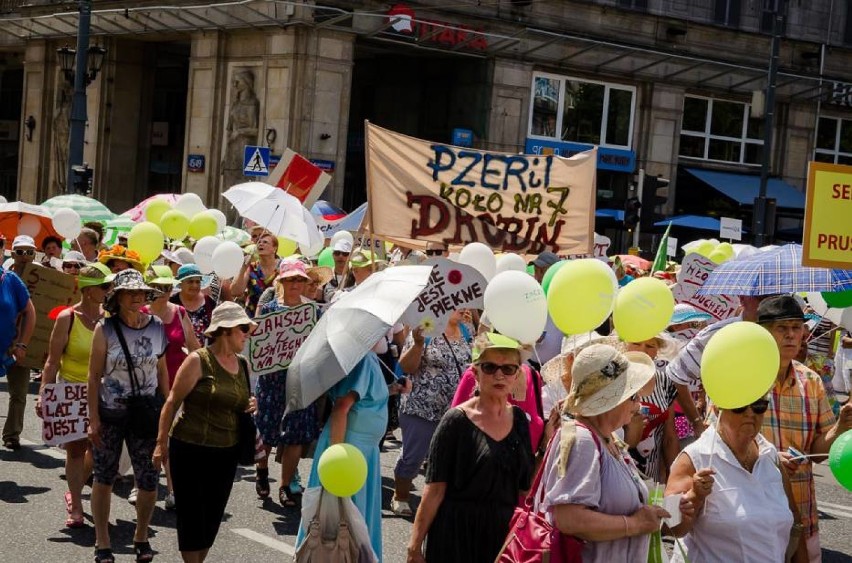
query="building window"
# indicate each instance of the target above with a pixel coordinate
(727, 12)
(767, 16)
(720, 130)
(580, 111)
(834, 141)
(634, 4)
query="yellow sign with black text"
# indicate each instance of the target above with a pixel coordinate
(827, 241)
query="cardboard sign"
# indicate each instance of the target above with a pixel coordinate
(828, 229)
(277, 337)
(421, 191)
(48, 289)
(65, 413)
(671, 248)
(452, 286)
(693, 273)
(731, 229)
(300, 177)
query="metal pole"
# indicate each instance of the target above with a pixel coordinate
(760, 234)
(640, 186)
(77, 133)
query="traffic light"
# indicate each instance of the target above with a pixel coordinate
(631, 212)
(654, 194)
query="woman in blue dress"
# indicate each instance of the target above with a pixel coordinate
(359, 417)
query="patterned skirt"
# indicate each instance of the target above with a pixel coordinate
(298, 427)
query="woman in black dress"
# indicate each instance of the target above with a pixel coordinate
(480, 460)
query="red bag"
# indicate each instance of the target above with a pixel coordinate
(532, 539)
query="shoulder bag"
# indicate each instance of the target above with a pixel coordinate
(246, 429)
(143, 411)
(341, 548)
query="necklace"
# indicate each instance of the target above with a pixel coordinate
(92, 320)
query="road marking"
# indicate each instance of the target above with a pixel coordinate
(837, 510)
(49, 451)
(265, 540)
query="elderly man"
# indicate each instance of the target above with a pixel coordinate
(799, 414)
(341, 279)
(18, 314)
(87, 242)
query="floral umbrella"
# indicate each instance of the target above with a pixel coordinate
(137, 212)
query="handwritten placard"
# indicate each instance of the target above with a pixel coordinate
(48, 289)
(693, 273)
(278, 336)
(452, 286)
(65, 413)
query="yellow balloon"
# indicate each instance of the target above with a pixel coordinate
(286, 247)
(643, 308)
(174, 224)
(154, 210)
(146, 239)
(727, 249)
(739, 364)
(203, 225)
(342, 470)
(581, 295)
(705, 248)
(718, 256)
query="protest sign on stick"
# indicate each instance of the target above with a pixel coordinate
(278, 336)
(693, 273)
(65, 413)
(452, 286)
(48, 289)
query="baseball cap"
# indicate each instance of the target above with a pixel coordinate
(23, 241)
(546, 259)
(342, 245)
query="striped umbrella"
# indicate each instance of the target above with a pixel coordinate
(236, 235)
(87, 208)
(114, 227)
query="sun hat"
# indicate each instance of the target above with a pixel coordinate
(75, 256)
(342, 245)
(494, 340)
(292, 269)
(118, 252)
(363, 258)
(128, 280)
(98, 274)
(180, 256)
(228, 315)
(320, 274)
(603, 378)
(779, 308)
(23, 241)
(188, 272)
(160, 275)
(684, 313)
(546, 259)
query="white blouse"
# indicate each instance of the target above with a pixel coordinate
(746, 517)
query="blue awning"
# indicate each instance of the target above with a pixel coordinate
(615, 214)
(691, 222)
(743, 188)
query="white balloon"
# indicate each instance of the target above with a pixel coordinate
(3, 200)
(227, 259)
(221, 220)
(511, 262)
(481, 257)
(190, 204)
(29, 226)
(67, 223)
(846, 319)
(203, 253)
(342, 235)
(516, 306)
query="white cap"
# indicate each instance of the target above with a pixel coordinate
(23, 240)
(342, 245)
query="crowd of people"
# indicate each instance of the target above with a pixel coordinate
(582, 424)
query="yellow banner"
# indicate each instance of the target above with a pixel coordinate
(420, 191)
(828, 217)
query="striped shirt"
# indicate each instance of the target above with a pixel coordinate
(685, 369)
(649, 452)
(798, 413)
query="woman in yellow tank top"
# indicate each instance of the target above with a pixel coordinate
(68, 362)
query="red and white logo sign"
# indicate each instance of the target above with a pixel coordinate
(403, 20)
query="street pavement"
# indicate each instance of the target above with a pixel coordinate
(32, 512)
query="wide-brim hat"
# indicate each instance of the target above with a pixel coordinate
(118, 252)
(128, 280)
(320, 274)
(188, 272)
(554, 369)
(292, 269)
(228, 315)
(496, 341)
(603, 378)
(684, 313)
(105, 276)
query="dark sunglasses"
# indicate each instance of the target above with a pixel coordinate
(245, 328)
(757, 407)
(491, 368)
(434, 252)
(340, 253)
(24, 252)
(71, 265)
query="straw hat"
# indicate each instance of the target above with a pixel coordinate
(228, 315)
(320, 274)
(118, 252)
(603, 378)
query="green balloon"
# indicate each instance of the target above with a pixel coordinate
(326, 257)
(838, 299)
(840, 459)
(548, 275)
(530, 268)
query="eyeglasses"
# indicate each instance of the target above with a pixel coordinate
(491, 368)
(24, 252)
(71, 265)
(339, 253)
(757, 407)
(434, 252)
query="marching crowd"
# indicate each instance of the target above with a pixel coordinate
(576, 428)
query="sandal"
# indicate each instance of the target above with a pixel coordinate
(143, 551)
(261, 482)
(73, 523)
(288, 498)
(104, 556)
(68, 502)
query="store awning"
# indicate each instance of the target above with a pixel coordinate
(614, 214)
(700, 222)
(743, 188)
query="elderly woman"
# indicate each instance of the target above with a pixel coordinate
(119, 258)
(212, 388)
(291, 433)
(255, 276)
(127, 359)
(435, 365)
(748, 508)
(590, 486)
(68, 362)
(479, 461)
(199, 307)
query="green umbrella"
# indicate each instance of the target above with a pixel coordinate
(113, 227)
(89, 209)
(237, 235)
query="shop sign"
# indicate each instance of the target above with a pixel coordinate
(404, 22)
(615, 160)
(828, 231)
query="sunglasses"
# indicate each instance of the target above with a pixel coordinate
(340, 253)
(24, 252)
(757, 407)
(434, 252)
(491, 368)
(245, 328)
(71, 266)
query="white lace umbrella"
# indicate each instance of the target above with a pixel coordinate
(275, 210)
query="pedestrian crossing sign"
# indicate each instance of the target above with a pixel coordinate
(255, 161)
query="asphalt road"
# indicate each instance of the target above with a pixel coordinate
(32, 513)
